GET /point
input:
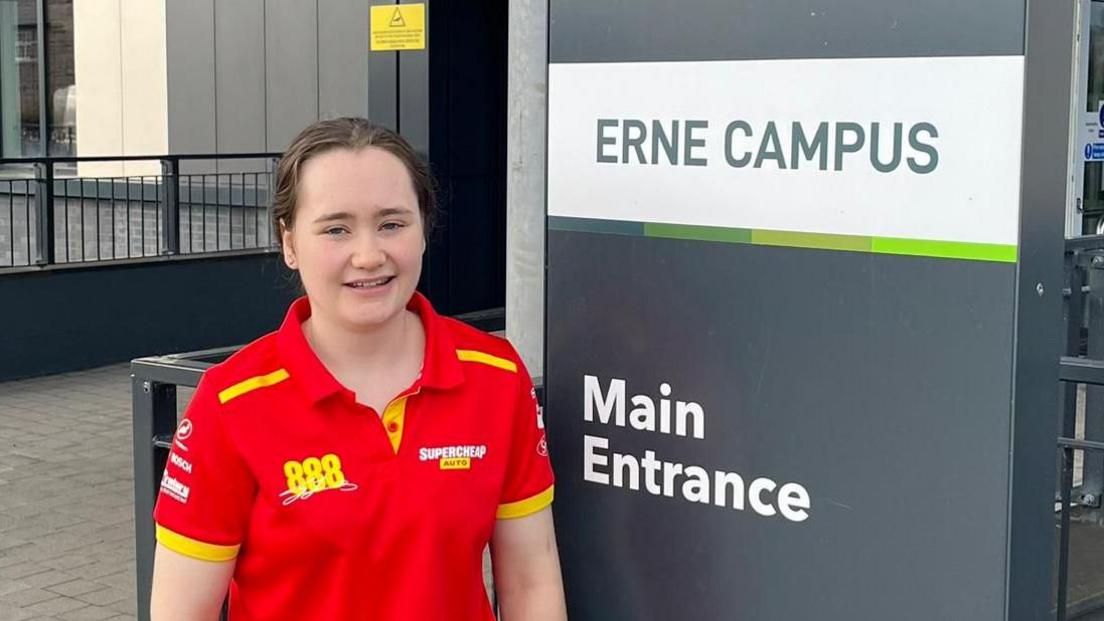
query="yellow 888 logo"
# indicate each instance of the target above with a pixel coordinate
(314, 474)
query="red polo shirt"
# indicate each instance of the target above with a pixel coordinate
(336, 512)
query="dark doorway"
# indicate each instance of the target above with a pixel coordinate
(465, 268)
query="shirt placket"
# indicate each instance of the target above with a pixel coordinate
(394, 417)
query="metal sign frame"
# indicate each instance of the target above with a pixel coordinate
(629, 553)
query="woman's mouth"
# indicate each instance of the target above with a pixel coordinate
(370, 283)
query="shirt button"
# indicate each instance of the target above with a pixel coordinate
(393, 427)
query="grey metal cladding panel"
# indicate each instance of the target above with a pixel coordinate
(661, 30)
(382, 83)
(291, 42)
(342, 58)
(881, 383)
(413, 87)
(190, 52)
(240, 79)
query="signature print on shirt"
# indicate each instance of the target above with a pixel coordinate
(314, 475)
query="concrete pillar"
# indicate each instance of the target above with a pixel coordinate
(526, 106)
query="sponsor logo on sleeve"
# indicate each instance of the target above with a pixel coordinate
(180, 462)
(183, 432)
(175, 489)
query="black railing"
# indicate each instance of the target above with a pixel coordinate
(1083, 365)
(184, 210)
(1073, 371)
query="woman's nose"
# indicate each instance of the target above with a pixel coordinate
(369, 253)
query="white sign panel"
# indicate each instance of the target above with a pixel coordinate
(909, 148)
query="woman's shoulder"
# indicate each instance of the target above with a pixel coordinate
(469, 338)
(258, 358)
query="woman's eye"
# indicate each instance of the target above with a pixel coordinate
(391, 226)
(336, 230)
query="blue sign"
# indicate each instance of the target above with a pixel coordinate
(1094, 152)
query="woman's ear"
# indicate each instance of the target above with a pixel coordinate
(287, 247)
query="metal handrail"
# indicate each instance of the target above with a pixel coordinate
(1085, 242)
(166, 217)
(1081, 370)
(56, 159)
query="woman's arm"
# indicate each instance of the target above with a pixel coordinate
(187, 589)
(527, 569)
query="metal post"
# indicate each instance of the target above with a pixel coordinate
(170, 208)
(1075, 318)
(44, 212)
(1067, 425)
(1066, 475)
(1093, 470)
(154, 415)
(44, 99)
(270, 195)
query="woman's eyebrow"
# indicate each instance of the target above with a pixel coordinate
(393, 211)
(336, 215)
(344, 215)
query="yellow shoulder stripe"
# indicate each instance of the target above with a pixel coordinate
(526, 507)
(252, 384)
(470, 355)
(193, 548)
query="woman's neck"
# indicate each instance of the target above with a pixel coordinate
(367, 351)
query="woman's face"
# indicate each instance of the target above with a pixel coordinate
(357, 240)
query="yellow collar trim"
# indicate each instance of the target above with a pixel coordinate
(470, 355)
(252, 384)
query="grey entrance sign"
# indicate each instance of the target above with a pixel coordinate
(804, 275)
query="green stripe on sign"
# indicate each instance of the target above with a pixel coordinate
(790, 239)
(590, 225)
(697, 233)
(822, 241)
(945, 249)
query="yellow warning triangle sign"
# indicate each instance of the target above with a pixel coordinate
(397, 20)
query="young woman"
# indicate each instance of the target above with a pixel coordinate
(354, 464)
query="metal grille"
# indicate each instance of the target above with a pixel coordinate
(132, 217)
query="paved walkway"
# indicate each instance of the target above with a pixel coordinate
(66, 497)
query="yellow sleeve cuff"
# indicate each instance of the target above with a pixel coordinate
(193, 548)
(527, 506)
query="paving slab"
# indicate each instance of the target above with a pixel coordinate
(67, 497)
